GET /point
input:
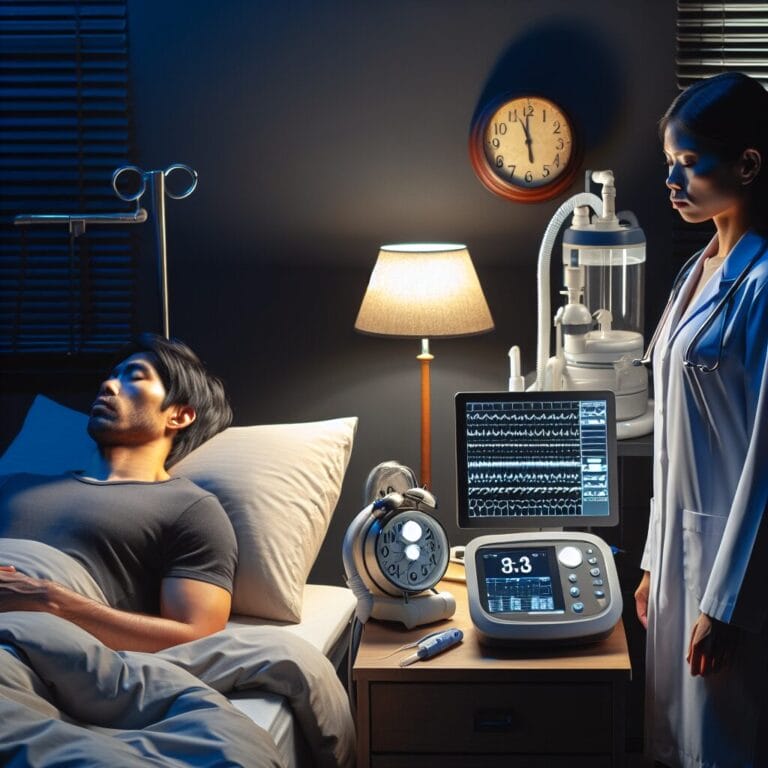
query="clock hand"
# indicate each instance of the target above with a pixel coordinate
(528, 140)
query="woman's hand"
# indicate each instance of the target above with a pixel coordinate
(641, 598)
(711, 646)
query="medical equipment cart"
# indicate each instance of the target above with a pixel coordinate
(476, 706)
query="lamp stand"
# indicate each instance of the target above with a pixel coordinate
(426, 416)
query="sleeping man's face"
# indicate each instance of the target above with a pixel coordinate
(129, 407)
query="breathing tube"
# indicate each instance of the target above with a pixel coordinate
(543, 275)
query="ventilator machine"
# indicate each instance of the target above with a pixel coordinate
(598, 331)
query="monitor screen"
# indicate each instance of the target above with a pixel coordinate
(536, 459)
(519, 580)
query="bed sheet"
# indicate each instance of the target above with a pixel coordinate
(326, 614)
(66, 691)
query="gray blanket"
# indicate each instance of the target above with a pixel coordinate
(66, 699)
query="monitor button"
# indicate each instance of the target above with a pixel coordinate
(592, 560)
(577, 607)
(575, 591)
(570, 557)
(599, 593)
(573, 578)
(594, 572)
(597, 582)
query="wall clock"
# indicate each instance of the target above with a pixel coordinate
(524, 148)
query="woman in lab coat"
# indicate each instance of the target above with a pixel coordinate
(704, 593)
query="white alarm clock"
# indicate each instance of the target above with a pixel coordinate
(394, 553)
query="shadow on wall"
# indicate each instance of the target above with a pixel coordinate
(535, 63)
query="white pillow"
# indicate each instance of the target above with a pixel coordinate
(52, 440)
(278, 483)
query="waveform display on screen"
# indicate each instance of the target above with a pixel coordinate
(534, 458)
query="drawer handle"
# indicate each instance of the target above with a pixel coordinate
(496, 721)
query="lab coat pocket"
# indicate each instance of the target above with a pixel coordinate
(702, 535)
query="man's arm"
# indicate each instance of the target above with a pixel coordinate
(189, 609)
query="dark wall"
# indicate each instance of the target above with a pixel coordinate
(321, 130)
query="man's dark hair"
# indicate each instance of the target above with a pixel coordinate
(187, 382)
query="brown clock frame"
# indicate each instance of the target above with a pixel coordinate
(486, 173)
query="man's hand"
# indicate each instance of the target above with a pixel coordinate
(19, 592)
(641, 598)
(711, 646)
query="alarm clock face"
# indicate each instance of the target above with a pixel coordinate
(524, 149)
(411, 551)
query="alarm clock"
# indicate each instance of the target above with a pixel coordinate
(524, 148)
(394, 553)
(552, 588)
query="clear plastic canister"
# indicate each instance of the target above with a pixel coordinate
(614, 279)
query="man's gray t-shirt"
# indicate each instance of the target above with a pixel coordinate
(128, 535)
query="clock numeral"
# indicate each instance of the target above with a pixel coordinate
(512, 116)
(528, 111)
(394, 570)
(495, 143)
(433, 559)
(544, 115)
(556, 161)
(560, 144)
(556, 124)
(424, 570)
(499, 161)
(528, 177)
(511, 170)
(384, 551)
(499, 128)
(545, 172)
(413, 576)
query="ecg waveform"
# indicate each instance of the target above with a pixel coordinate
(528, 458)
(513, 595)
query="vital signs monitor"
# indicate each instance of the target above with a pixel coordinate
(536, 459)
(528, 462)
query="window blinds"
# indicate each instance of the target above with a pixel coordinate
(718, 37)
(64, 127)
(713, 38)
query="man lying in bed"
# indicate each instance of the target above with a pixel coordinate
(162, 549)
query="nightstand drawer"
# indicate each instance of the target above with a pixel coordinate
(508, 718)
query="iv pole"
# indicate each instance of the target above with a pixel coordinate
(77, 222)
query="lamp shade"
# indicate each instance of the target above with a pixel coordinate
(422, 291)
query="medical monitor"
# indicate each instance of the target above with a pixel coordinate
(536, 459)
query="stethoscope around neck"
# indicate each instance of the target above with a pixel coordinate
(720, 307)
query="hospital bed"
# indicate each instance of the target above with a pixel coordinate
(277, 661)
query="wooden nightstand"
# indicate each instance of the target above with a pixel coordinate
(478, 705)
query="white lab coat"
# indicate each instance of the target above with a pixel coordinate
(708, 535)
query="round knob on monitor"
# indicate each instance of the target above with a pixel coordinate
(570, 557)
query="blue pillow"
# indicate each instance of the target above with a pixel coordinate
(52, 440)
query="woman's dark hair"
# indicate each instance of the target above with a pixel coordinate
(726, 114)
(187, 382)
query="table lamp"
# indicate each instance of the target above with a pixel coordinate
(423, 290)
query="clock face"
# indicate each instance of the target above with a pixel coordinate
(524, 149)
(412, 551)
